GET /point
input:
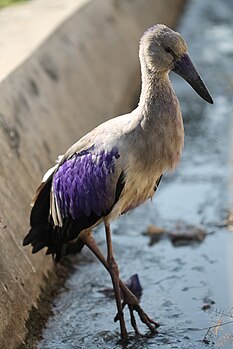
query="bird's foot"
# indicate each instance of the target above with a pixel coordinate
(132, 302)
(150, 323)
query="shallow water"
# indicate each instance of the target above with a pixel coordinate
(177, 281)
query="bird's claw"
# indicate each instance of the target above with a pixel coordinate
(133, 320)
(151, 324)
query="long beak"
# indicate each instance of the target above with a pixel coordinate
(185, 68)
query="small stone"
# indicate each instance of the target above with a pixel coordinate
(229, 221)
(206, 307)
(206, 341)
(155, 233)
(186, 234)
(154, 230)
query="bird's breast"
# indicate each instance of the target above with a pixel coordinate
(138, 188)
(150, 150)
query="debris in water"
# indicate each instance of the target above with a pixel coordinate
(206, 307)
(183, 234)
(132, 283)
(207, 303)
(187, 234)
(155, 233)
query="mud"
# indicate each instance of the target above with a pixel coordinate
(43, 309)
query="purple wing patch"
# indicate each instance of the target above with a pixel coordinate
(82, 184)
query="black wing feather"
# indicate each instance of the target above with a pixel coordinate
(44, 233)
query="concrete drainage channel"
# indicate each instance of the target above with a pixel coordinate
(184, 258)
(74, 77)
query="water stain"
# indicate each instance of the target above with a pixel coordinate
(11, 133)
(49, 68)
(33, 87)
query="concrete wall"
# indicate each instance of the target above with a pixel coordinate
(86, 71)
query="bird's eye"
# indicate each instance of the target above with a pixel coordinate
(168, 50)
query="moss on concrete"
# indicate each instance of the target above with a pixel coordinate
(4, 3)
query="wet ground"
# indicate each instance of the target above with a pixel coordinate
(188, 288)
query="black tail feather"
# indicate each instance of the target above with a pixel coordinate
(37, 247)
(44, 233)
(39, 235)
(35, 235)
(40, 210)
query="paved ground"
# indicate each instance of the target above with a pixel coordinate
(36, 20)
(177, 281)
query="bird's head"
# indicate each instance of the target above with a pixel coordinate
(162, 50)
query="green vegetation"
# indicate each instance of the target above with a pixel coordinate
(9, 2)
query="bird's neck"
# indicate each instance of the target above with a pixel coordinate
(157, 97)
(161, 125)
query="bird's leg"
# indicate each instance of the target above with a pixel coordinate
(129, 297)
(89, 241)
(114, 272)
